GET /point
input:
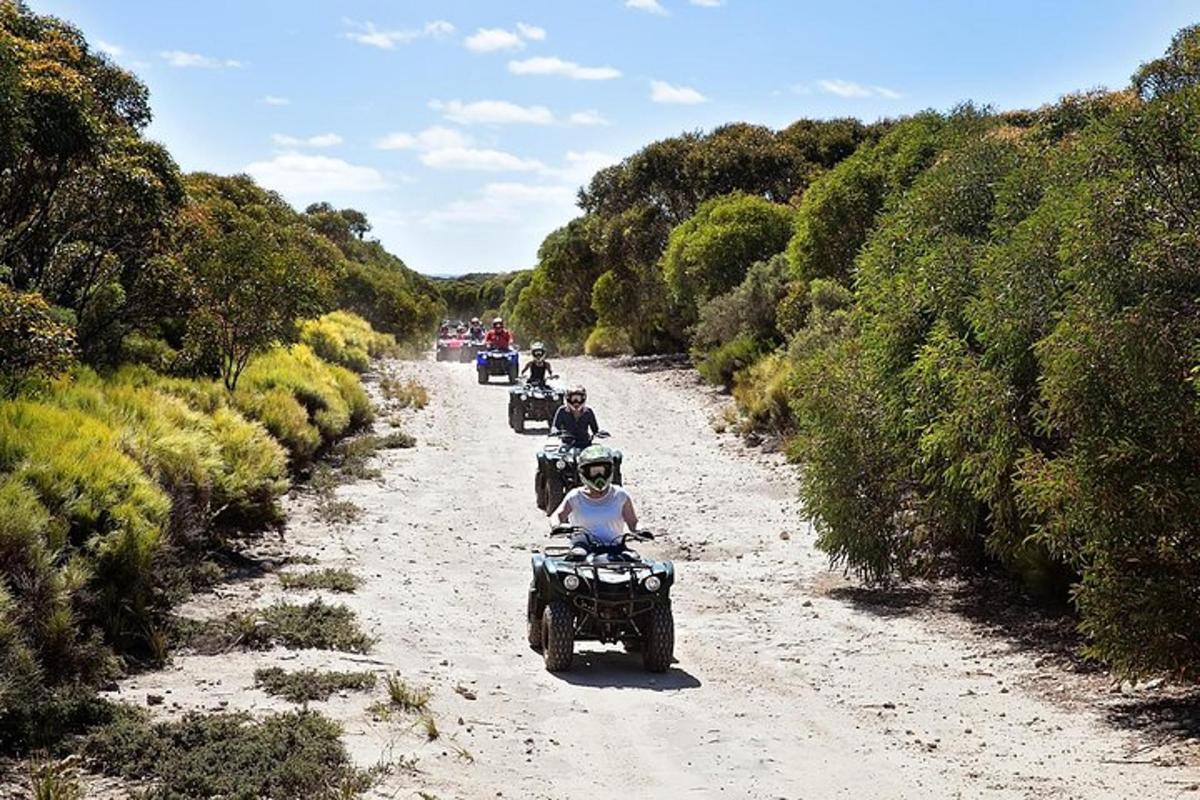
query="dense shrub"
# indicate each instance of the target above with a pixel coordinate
(720, 365)
(607, 342)
(749, 309)
(341, 337)
(33, 344)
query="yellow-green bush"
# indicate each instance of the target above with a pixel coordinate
(607, 341)
(762, 392)
(347, 339)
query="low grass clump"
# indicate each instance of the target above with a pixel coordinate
(396, 440)
(329, 579)
(316, 625)
(404, 394)
(353, 456)
(338, 512)
(296, 755)
(402, 696)
(53, 780)
(310, 685)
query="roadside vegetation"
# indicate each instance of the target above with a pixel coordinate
(975, 332)
(174, 351)
(309, 685)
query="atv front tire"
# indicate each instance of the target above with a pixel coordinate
(516, 417)
(539, 491)
(658, 647)
(482, 373)
(533, 621)
(512, 374)
(554, 492)
(558, 636)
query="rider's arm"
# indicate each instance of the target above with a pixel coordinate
(564, 510)
(591, 422)
(629, 514)
(525, 368)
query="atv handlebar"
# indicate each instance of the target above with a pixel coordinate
(576, 530)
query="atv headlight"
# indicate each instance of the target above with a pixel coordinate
(560, 464)
(652, 584)
(570, 582)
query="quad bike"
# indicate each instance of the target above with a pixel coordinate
(592, 591)
(558, 474)
(497, 362)
(470, 350)
(535, 401)
(449, 349)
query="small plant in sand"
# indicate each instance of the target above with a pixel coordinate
(405, 394)
(329, 579)
(53, 780)
(310, 685)
(396, 440)
(339, 512)
(316, 625)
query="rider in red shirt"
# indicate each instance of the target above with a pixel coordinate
(499, 337)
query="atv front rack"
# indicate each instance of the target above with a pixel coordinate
(609, 609)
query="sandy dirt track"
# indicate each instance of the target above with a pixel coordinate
(787, 685)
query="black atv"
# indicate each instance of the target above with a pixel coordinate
(497, 362)
(590, 591)
(536, 401)
(558, 474)
(471, 348)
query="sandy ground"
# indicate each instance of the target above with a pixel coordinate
(790, 682)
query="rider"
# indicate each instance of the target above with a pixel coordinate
(461, 331)
(476, 330)
(444, 330)
(499, 337)
(539, 369)
(575, 421)
(600, 506)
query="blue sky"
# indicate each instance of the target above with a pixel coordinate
(464, 127)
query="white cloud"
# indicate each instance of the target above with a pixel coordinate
(272, 100)
(855, 90)
(367, 33)
(491, 40)
(492, 112)
(651, 6)
(183, 59)
(479, 159)
(109, 49)
(589, 117)
(434, 138)
(663, 92)
(309, 175)
(531, 32)
(581, 166)
(501, 202)
(556, 66)
(321, 140)
(708, 3)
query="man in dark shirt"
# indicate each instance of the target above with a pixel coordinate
(575, 420)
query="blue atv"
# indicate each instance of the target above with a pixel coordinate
(593, 591)
(497, 362)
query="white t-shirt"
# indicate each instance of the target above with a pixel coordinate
(603, 516)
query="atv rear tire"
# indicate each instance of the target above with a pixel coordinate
(533, 621)
(558, 636)
(658, 647)
(482, 373)
(439, 355)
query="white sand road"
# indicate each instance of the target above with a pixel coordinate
(785, 686)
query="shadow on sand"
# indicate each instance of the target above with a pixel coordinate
(615, 669)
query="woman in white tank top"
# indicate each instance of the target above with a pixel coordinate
(601, 507)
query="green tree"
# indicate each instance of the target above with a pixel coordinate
(709, 254)
(256, 269)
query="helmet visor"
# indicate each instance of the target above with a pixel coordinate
(597, 475)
